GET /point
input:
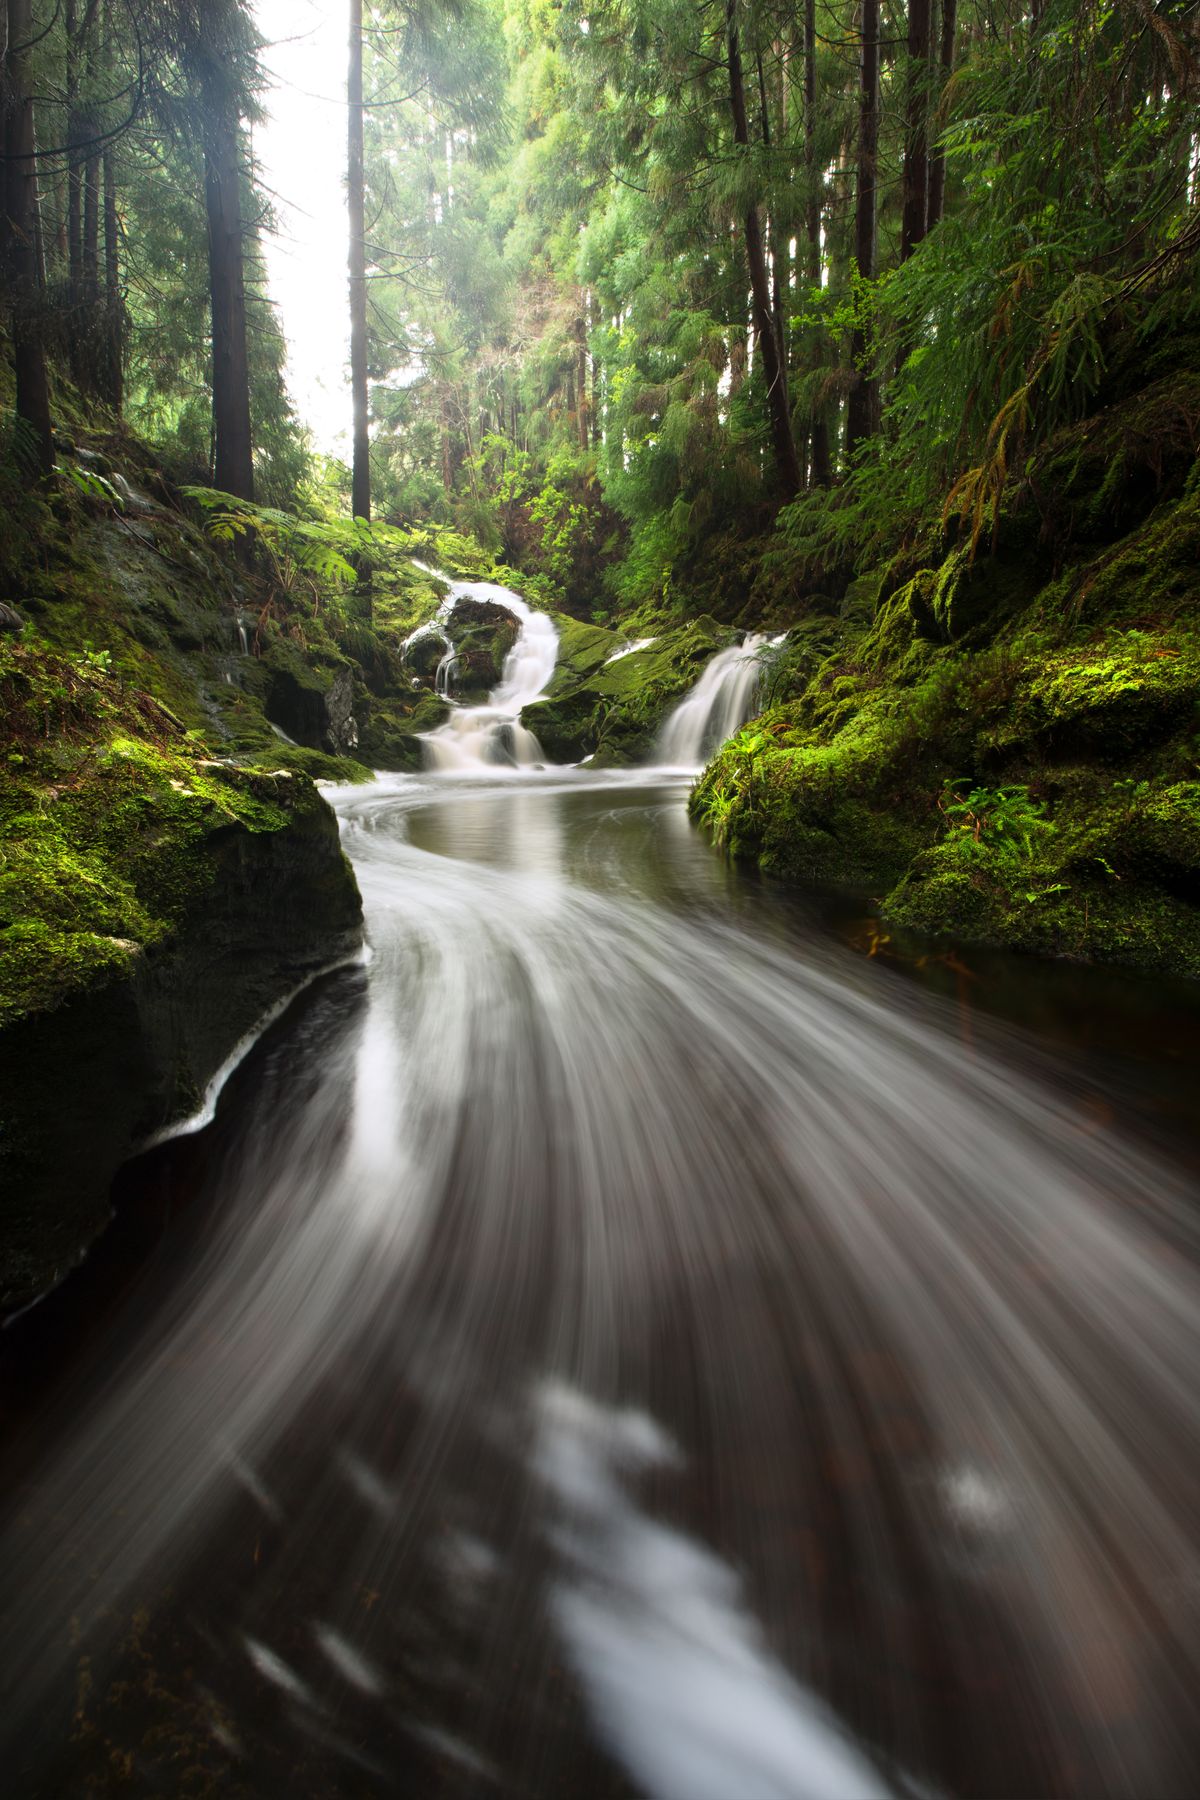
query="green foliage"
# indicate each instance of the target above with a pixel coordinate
(1006, 819)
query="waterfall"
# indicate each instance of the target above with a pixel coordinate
(447, 669)
(480, 737)
(721, 701)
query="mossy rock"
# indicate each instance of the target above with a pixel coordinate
(483, 634)
(611, 706)
(154, 903)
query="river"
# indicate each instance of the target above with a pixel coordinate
(618, 1341)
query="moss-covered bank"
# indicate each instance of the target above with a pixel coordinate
(154, 904)
(168, 870)
(1005, 748)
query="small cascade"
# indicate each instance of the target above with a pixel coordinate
(482, 737)
(243, 639)
(721, 701)
(444, 675)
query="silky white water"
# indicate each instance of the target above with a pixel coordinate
(476, 738)
(719, 704)
(621, 1283)
(621, 1329)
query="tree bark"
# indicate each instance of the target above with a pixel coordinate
(114, 321)
(775, 235)
(233, 456)
(20, 231)
(74, 185)
(863, 405)
(787, 463)
(360, 479)
(915, 219)
(937, 161)
(91, 232)
(821, 471)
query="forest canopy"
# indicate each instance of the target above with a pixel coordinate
(627, 279)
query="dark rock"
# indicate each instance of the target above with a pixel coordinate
(83, 1084)
(10, 618)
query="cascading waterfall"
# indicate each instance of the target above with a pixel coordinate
(447, 669)
(483, 737)
(721, 701)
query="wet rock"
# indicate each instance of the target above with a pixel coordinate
(83, 1082)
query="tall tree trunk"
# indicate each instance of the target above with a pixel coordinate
(821, 472)
(91, 234)
(233, 456)
(915, 219)
(447, 462)
(863, 404)
(20, 232)
(114, 322)
(937, 161)
(74, 133)
(360, 480)
(775, 235)
(787, 463)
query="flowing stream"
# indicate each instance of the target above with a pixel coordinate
(619, 1342)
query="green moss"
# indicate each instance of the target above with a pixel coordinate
(43, 967)
(611, 708)
(109, 823)
(1067, 699)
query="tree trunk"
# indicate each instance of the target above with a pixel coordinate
(447, 463)
(937, 162)
(74, 186)
(114, 323)
(787, 463)
(233, 457)
(915, 219)
(20, 238)
(863, 404)
(821, 472)
(91, 234)
(360, 482)
(776, 230)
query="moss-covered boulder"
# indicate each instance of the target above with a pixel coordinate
(1009, 753)
(610, 695)
(483, 634)
(154, 904)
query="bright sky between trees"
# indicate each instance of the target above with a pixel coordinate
(301, 150)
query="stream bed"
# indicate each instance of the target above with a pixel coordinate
(621, 1341)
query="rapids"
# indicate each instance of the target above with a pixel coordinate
(616, 1342)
